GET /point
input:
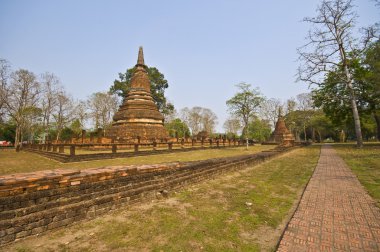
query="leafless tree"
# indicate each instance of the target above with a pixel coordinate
(50, 87)
(232, 125)
(192, 117)
(63, 112)
(269, 110)
(199, 119)
(81, 112)
(102, 105)
(20, 99)
(4, 77)
(209, 120)
(330, 45)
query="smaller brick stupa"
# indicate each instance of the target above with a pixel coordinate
(281, 134)
(138, 117)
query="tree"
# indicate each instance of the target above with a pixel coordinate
(232, 126)
(305, 105)
(192, 117)
(244, 104)
(334, 98)
(269, 110)
(158, 84)
(103, 106)
(322, 125)
(20, 99)
(199, 119)
(291, 105)
(259, 130)
(371, 79)
(81, 113)
(49, 94)
(8, 131)
(4, 77)
(63, 113)
(330, 44)
(177, 128)
(209, 120)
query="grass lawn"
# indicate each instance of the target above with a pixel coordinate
(365, 163)
(238, 211)
(13, 162)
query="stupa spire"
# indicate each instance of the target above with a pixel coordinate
(140, 59)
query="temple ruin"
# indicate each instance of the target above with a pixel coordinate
(281, 134)
(138, 117)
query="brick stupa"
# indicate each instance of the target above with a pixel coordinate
(281, 134)
(138, 117)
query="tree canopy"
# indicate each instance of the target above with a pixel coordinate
(244, 104)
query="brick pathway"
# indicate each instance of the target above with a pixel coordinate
(335, 212)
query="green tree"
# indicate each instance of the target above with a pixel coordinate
(335, 99)
(322, 126)
(329, 48)
(259, 130)
(8, 131)
(371, 82)
(158, 84)
(76, 127)
(244, 104)
(178, 127)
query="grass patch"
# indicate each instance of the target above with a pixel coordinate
(14, 162)
(210, 216)
(365, 163)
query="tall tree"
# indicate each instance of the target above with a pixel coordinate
(20, 99)
(158, 84)
(199, 119)
(305, 105)
(63, 112)
(50, 91)
(209, 120)
(232, 126)
(371, 81)
(81, 113)
(4, 77)
(330, 44)
(103, 106)
(244, 104)
(269, 110)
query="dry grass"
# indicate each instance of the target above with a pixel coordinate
(13, 162)
(209, 216)
(365, 163)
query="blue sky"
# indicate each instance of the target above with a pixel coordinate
(202, 47)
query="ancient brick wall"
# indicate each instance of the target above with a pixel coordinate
(33, 203)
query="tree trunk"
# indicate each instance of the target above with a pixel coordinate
(358, 129)
(355, 112)
(17, 137)
(319, 136)
(377, 119)
(304, 132)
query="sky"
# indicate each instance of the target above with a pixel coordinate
(204, 48)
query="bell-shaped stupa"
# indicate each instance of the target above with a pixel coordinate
(281, 134)
(138, 117)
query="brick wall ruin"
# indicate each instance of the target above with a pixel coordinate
(33, 203)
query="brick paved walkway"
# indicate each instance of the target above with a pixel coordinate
(335, 212)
